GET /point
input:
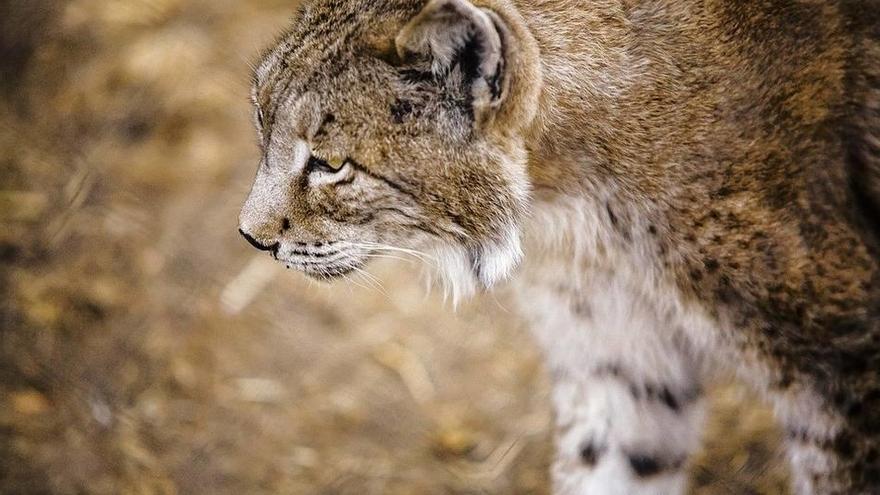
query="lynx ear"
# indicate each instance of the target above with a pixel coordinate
(464, 44)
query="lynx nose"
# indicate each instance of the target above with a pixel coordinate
(255, 243)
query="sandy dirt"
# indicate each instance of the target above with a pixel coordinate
(146, 349)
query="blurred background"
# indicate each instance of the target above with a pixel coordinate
(146, 349)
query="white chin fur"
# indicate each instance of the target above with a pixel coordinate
(461, 272)
(496, 261)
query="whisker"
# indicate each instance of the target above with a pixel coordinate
(350, 279)
(391, 257)
(426, 258)
(377, 245)
(370, 278)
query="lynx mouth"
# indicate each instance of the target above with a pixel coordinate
(324, 261)
(327, 274)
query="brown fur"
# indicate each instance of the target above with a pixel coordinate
(743, 137)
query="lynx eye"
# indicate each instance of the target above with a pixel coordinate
(330, 165)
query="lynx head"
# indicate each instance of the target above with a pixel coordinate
(394, 125)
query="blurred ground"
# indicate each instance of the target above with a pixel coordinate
(146, 349)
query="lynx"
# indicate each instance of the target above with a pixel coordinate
(673, 187)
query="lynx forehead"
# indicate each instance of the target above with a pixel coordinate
(693, 186)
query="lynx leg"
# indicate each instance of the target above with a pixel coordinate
(812, 465)
(626, 394)
(619, 432)
(829, 453)
(810, 437)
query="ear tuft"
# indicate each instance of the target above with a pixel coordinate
(465, 46)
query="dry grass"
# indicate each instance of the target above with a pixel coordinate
(146, 349)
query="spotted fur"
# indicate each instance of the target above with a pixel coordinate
(678, 186)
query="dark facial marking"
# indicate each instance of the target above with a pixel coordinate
(322, 130)
(390, 183)
(299, 252)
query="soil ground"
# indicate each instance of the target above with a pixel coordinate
(146, 349)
